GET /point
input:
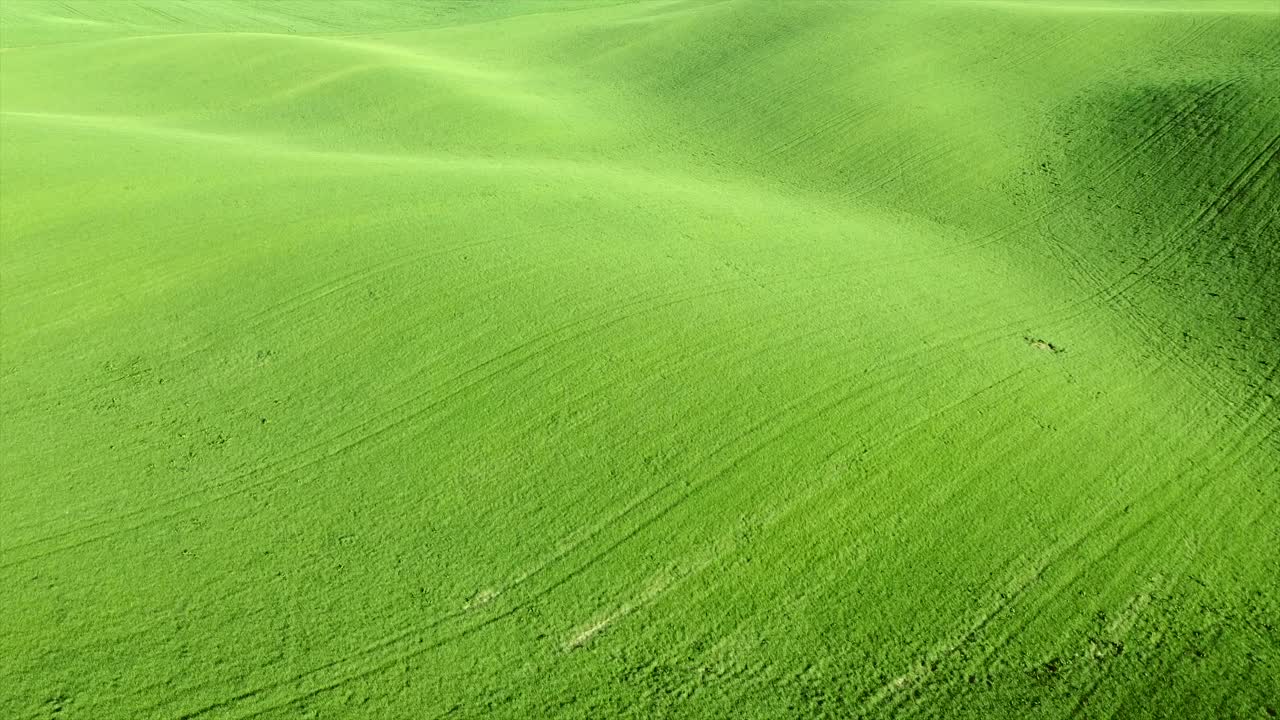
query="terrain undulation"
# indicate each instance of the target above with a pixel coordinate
(663, 359)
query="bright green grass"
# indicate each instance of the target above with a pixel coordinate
(687, 359)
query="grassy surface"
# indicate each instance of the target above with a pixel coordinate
(724, 359)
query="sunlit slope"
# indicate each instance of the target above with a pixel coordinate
(25, 23)
(664, 359)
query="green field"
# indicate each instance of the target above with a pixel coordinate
(726, 359)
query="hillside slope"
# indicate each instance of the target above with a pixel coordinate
(576, 359)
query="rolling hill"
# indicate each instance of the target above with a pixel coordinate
(662, 359)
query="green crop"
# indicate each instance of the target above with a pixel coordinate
(736, 359)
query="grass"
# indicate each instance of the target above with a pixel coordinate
(686, 359)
